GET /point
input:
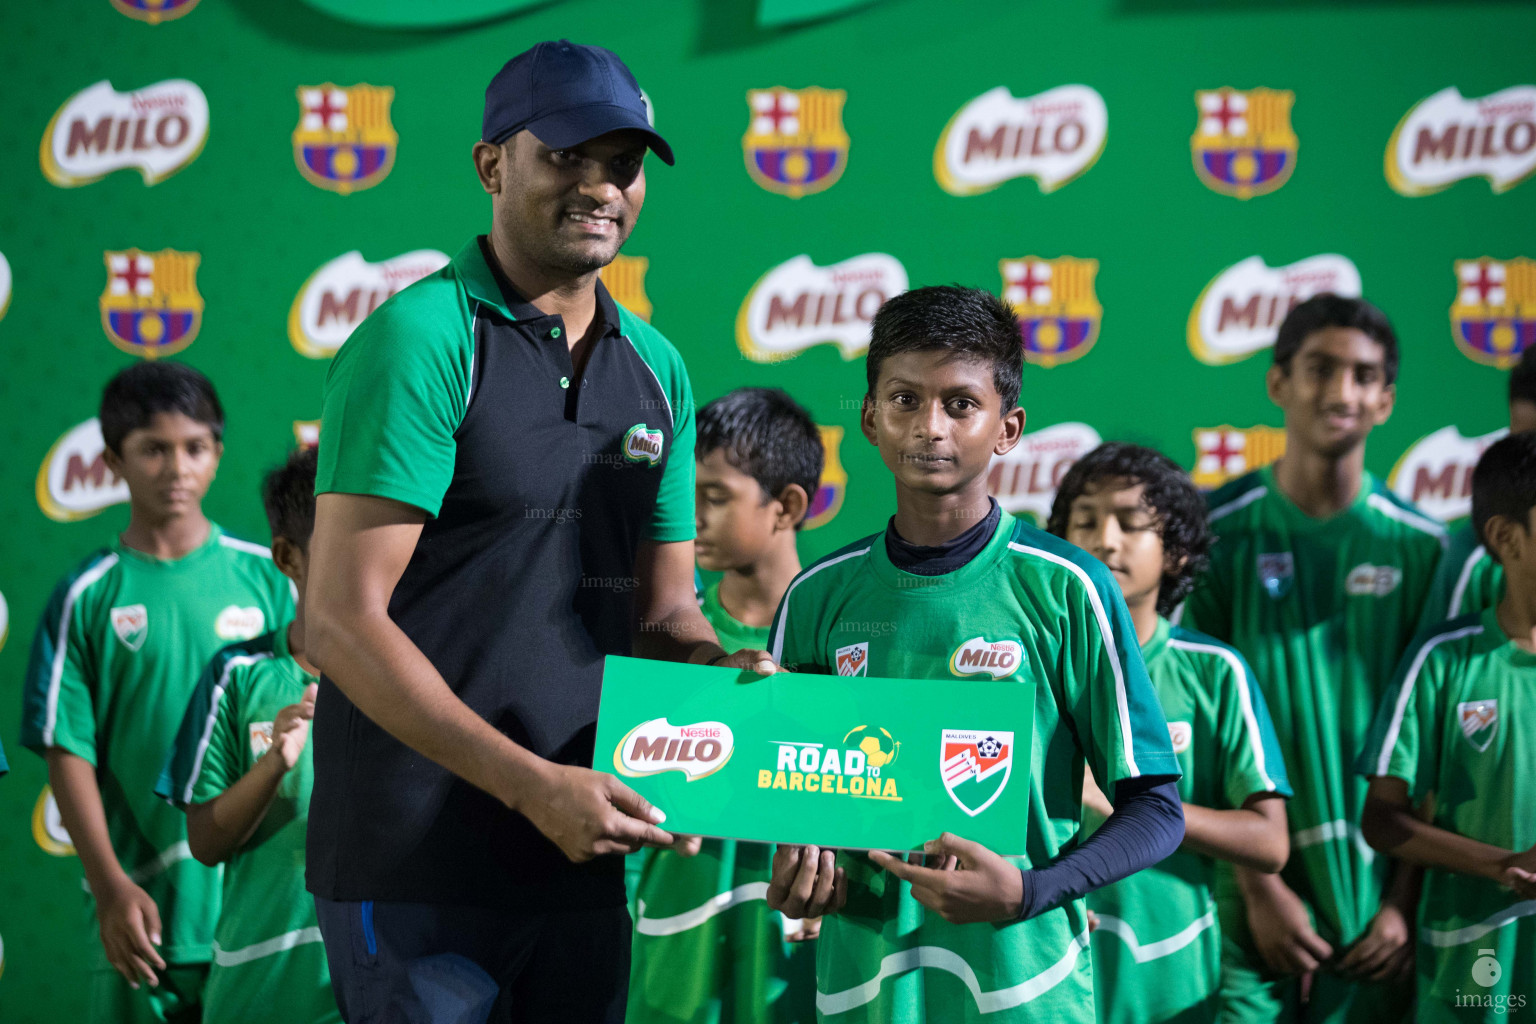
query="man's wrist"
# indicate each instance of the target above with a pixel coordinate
(1026, 892)
(526, 774)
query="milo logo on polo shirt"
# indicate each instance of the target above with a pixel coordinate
(643, 445)
(997, 658)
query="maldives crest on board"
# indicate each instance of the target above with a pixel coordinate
(1239, 313)
(1053, 137)
(1225, 453)
(1493, 319)
(795, 143)
(158, 129)
(1243, 144)
(975, 766)
(344, 141)
(1448, 137)
(625, 280)
(1058, 311)
(828, 499)
(151, 306)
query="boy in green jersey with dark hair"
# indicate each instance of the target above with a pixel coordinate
(972, 935)
(1468, 580)
(242, 769)
(1157, 949)
(113, 664)
(1318, 577)
(707, 947)
(1450, 768)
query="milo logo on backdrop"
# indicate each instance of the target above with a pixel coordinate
(1052, 136)
(1435, 473)
(343, 291)
(74, 481)
(1025, 480)
(158, 129)
(1448, 137)
(798, 304)
(657, 746)
(1239, 313)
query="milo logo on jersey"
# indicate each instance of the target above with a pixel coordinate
(1367, 580)
(74, 481)
(798, 304)
(343, 291)
(1053, 137)
(642, 444)
(625, 280)
(1025, 480)
(151, 306)
(1058, 312)
(1225, 453)
(158, 129)
(1239, 312)
(237, 623)
(828, 499)
(153, 12)
(856, 767)
(1479, 720)
(48, 826)
(1448, 137)
(5, 285)
(979, 656)
(657, 746)
(1493, 319)
(306, 433)
(344, 141)
(1435, 473)
(1243, 144)
(975, 766)
(1180, 735)
(795, 142)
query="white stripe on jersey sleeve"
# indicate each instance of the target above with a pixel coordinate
(1102, 618)
(1238, 503)
(213, 716)
(1453, 610)
(246, 546)
(778, 626)
(61, 642)
(1250, 720)
(1386, 507)
(1406, 692)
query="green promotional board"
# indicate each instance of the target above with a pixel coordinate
(835, 761)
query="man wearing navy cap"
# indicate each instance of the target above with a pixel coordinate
(505, 497)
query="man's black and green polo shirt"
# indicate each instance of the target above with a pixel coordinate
(459, 397)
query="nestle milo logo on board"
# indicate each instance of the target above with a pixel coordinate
(657, 746)
(642, 444)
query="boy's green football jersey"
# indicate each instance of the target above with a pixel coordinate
(267, 951)
(1467, 581)
(116, 657)
(1460, 726)
(1157, 950)
(707, 947)
(1028, 608)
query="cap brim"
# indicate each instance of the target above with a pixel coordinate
(572, 127)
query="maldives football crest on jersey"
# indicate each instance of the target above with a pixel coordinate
(975, 766)
(158, 129)
(1493, 319)
(1053, 137)
(1225, 453)
(1277, 571)
(344, 141)
(625, 280)
(1448, 137)
(1239, 312)
(1479, 721)
(853, 660)
(131, 624)
(154, 12)
(1243, 144)
(151, 306)
(1058, 311)
(795, 142)
(1435, 473)
(828, 499)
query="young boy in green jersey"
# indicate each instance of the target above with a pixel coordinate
(707, 948)
(1450, 766)
(114, 662)
(1468, 580)
(242, 770)
(972, 935)
(1157, 948)
(1318, 576)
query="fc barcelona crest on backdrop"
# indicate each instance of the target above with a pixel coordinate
(155, 11)
(795, 142)
(1243, 144)
(1494, 316)
(1058, 311)
(1225, 453)
(828, 499)
(625, 280)
(344, 141)
(151, 306)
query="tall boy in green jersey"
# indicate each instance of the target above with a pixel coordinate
(114, 662)
(1468, 580)
(759, 459)
(1449, 761)
(1318, 576)
(242, 770)
(1157, 949)
(972, 935)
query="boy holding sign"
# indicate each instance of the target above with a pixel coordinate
(955, 589)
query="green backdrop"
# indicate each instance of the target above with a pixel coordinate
(710, 232)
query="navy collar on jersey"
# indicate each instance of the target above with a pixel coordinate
(943, 558)
(477, 267)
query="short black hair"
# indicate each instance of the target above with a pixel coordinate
(767, 435)
(966, 321)
(1522, 379)
(1169, 495)
(135, 395)
(1504, 484)
(1321, 312)
(288, 495)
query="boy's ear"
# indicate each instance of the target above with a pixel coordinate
(113, 460)
(794, 504)
(1173, 566)
(1009, 430)
(288, 557)
(867, 419)
(1388, 403)
(1275, 380)
(1506, 538)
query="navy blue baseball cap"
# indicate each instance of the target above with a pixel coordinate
(566, 94)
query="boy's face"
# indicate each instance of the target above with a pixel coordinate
(168, 464)
(937, 420)
(1336, 391)
(736, 524)
(1109, 521)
